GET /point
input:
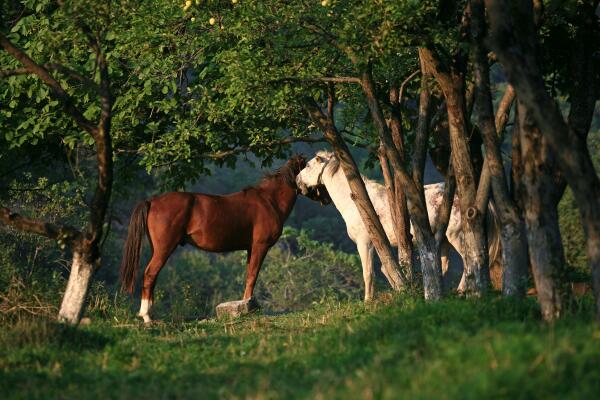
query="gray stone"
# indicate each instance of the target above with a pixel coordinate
(237, 308)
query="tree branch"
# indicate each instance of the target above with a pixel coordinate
(54, 67)
(50, 230)
(104, 151)
(60, 94)
(404, 83)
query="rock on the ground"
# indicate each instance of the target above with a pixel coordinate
(237, 308)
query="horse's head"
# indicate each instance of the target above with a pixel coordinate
(309, 180)
(296, 164)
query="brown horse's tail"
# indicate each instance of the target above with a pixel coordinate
(133, 246)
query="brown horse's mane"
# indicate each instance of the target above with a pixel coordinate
(285, 172)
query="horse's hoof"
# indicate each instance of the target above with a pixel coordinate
(146, 319)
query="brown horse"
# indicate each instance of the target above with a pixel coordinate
(249, 220)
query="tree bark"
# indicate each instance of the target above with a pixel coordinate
(546, 253)
(584, 91)
(443, 217)
(402, 221)
(485, 180)
(73, 303)
(396, 210)
(360, 195)
(422, 132)
(514, 41)
(514, 245)
(475, 246)
(430, 263)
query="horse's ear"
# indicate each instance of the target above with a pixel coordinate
(302, 160)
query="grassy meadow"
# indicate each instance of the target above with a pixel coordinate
(396, 347)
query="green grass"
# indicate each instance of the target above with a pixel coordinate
(394, 348)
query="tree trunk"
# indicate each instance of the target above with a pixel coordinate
(475, 244)
(402, 221)
(540, 201)
(360, 196)
(515, 44)
(485, 180)
(514, 246)
(443, 217)
(73, 303)
(398, 220)
(430, 262)
(422, 132)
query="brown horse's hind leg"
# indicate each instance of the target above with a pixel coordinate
(257, 255)
(150, 275)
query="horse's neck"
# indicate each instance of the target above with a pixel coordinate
(339, 191)
(281, 195)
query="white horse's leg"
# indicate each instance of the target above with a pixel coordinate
(365, 251)
(455, 239)
(444, 253)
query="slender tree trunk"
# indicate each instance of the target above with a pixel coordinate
(443, 217)
(440, 153)
(485, 180)
(402, 222)
(360, 196)
(405, 249)
(422, 132)
(514, 245)
(475, 244)
(399, 220)
(515, 44)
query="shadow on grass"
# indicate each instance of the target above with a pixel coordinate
(45, 332)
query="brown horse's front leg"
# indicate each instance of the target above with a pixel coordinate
(255, 260)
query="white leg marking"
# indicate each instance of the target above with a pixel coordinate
(145, 310)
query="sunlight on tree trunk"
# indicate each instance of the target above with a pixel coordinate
(74, 299)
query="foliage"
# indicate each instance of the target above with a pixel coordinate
(395, 347)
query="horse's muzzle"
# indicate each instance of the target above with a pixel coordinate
(317, 193)
(301, 188)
